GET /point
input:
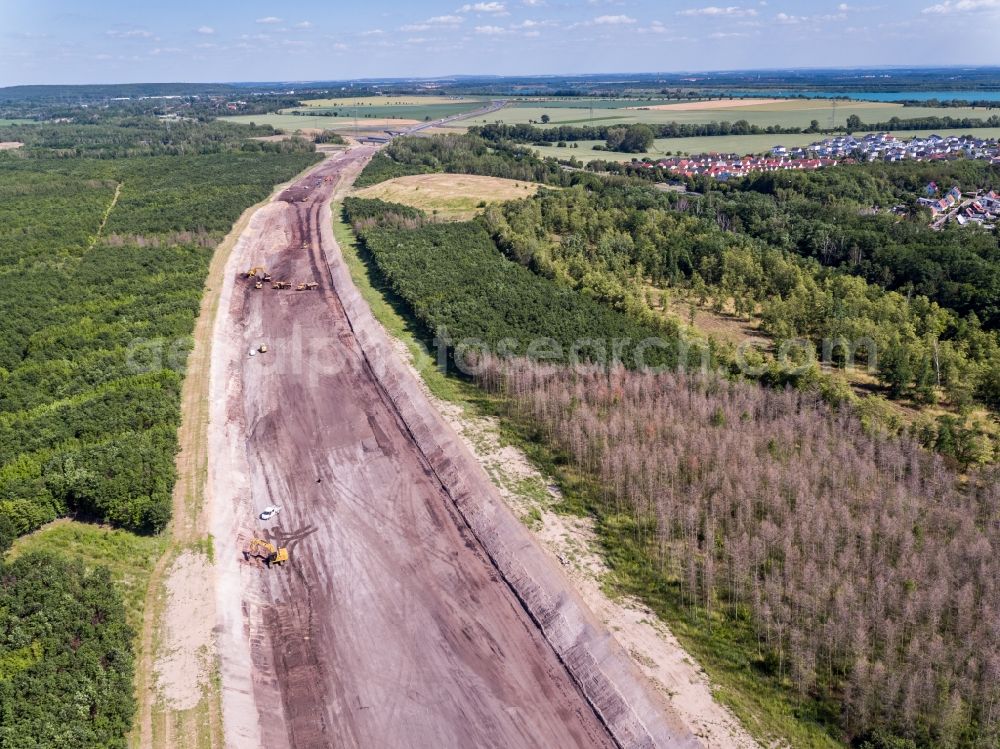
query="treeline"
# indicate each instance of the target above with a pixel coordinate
(930, 123)
(461, 154)
(461, 288)
(499, 133)
(951, 103)
(384, 167)
(329, 136)
(857, 574)
(66, 662)
(126, 137)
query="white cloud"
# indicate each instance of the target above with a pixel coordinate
(373, 32)
(529, 23)
(725, 35)
(205, 30)
(432, 22)
(533, 3)
(491, 30)
(787, 19)
(656, 27)
(713, 10)
(963, 6)
(129, 33)
(304, 25)
(269, 19)
(613, 20)
(490, 7)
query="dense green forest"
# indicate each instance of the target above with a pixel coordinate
(95, 326)
(827, 215)
(102, 266)
(612, 242)
(766, 248)
(66, 661)
(463, 290)
(121, 137)
(840, 217)
(461, 154)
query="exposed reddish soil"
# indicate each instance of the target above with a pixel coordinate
(399, 621)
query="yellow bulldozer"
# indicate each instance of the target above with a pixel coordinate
(267, 551)
(259, 273)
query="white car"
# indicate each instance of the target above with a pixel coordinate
(269, 512)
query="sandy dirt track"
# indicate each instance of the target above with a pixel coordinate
(415, 611)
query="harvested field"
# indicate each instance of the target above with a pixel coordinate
(456, 197)
(415, 609)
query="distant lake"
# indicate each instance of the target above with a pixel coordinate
(883, 95)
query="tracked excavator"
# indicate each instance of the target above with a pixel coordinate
(267, 551)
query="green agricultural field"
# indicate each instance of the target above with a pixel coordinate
(290, 122)
(740, 144)
(4, 123)
(377, 117)
(401, 112)
(790, 113)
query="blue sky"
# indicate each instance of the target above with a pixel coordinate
(57, 41)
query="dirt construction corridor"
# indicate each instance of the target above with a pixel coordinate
(415, 611)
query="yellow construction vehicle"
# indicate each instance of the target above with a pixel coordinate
(259, 285)
(306, 286)
(267, 551)
(281, 285)
(254, 271)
